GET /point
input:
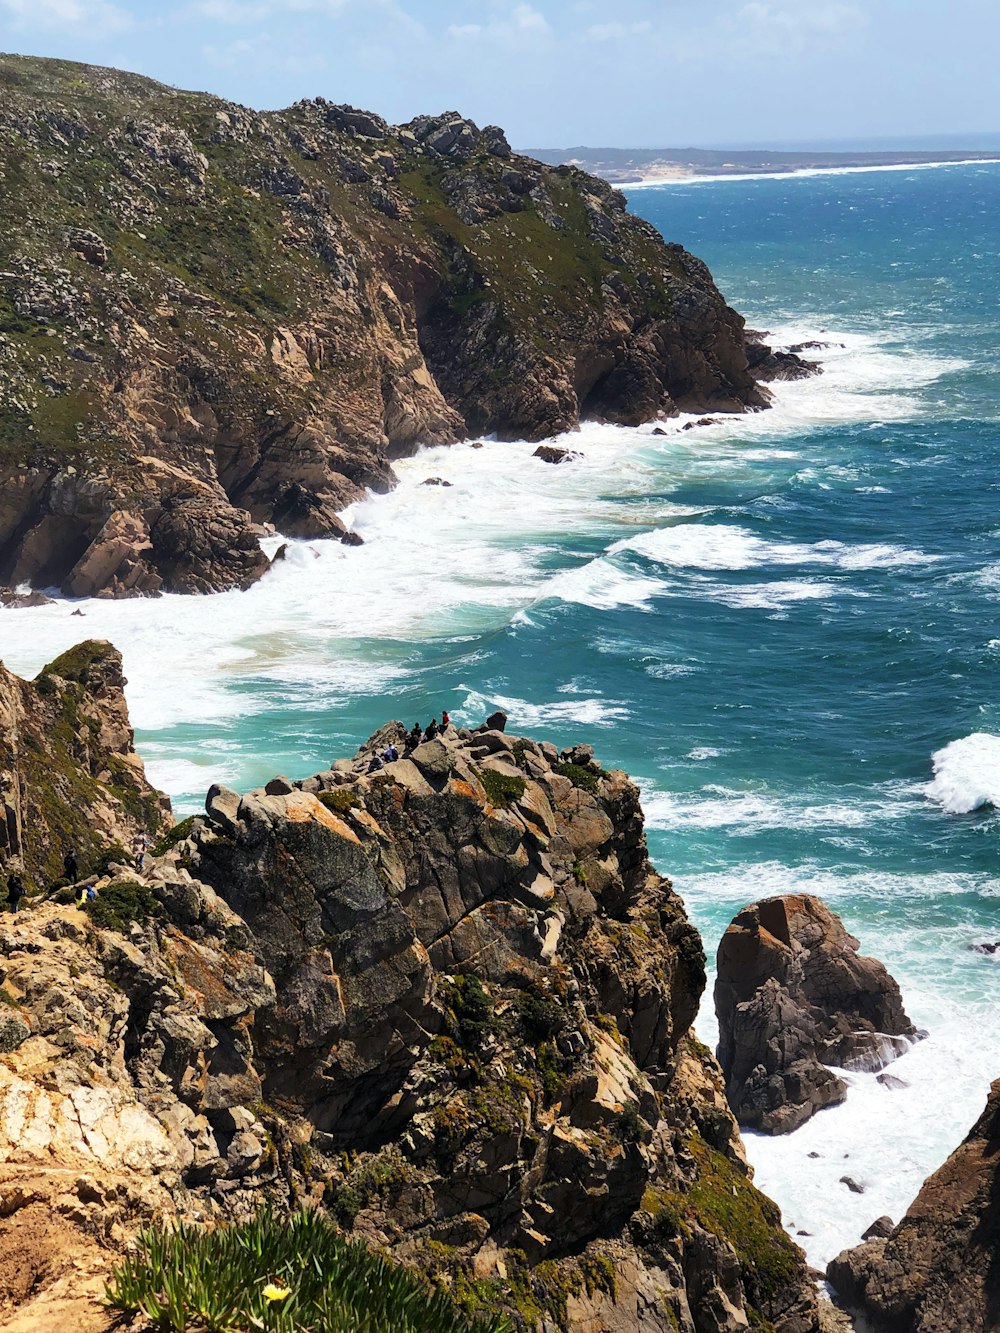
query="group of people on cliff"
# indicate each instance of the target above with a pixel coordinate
(17, 890)
(417, 735)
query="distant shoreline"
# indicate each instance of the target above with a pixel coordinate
(787, 173)
(631, 167)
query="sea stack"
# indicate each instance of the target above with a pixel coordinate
(794, 996)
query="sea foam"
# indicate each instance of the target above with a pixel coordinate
(967, 774)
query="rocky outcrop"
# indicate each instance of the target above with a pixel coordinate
(251, 314)
(70, 779)
(794, 996)
(449, 1000)
(939, 1268)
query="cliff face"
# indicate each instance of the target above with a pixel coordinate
(211, 318)
(939, 1268)
(450, 1001)
(69, 776)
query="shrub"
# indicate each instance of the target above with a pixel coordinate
(175, 835)
(470, 1010)
(115, 854)
(541, 1016)
(579, 776)
(282, 1274)
(502, 789)
(119, 904)
(341, 800)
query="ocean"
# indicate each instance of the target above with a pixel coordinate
(785, 625)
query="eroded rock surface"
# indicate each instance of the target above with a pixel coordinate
(450, 1001)
(250, 315)
(940, 1267)
(794, 996)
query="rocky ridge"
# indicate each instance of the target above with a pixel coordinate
(794, 996)
(938, 1269)
(69, 775)
(450, 1001)
(213, 318)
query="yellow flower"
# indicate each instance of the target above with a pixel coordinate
(272, 1292)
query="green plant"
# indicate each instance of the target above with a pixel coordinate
(119, 904)
(541, 1015)
(579, 776)
(288, 1275)
(113, 855)
(175, 835)
(470, 1010)
(502, 789)
(341, 800)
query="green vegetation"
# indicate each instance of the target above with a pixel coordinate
(341, 800)
(541, 1015)
(502, 789)
(579, 776)
(723, 1201)
(469, 1011)
(113, 854)
(373, 1177)
(120, 904)
(289, 1275)
(173, 836)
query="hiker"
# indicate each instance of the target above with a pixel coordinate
(415, 736)
(390, 754)
(87, 895)
(139, 844)
(71, 867)
(375, 763)
(432, 730)
(445, 720)
(15, 890)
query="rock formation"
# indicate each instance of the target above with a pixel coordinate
(450, 1001)
(793, 996)
(69, 776)
(940, 1268)
(213, 318)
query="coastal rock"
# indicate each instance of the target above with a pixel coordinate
(449, 1001)
(549, 453)
(267, 309)
(793, 996)
(938, 1268)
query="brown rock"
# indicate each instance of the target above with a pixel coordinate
(937, 1270)
(793, 996)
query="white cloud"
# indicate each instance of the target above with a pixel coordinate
(520, 23)
(614, 32)
(96, 16)
(778, 26)
(255, 11)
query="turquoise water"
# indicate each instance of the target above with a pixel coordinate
(774, 623)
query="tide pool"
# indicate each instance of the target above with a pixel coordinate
(775, 623)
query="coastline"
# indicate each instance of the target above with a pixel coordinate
(679, 176)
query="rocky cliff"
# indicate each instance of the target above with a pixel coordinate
(449, 1001)
(940, 1268)
(213, 318)
(793, 996)
(70, 779)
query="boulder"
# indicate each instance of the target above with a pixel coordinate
(937, 1270)
(550, 453)
(794, 996)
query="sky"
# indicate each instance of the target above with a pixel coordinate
(559, 73)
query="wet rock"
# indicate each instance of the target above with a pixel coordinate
(550, 453)
(879, 1229)
(852, 1185)
(794, 996)
(892, 1082)
(435, 481)
(936, 1270)
(352, 539)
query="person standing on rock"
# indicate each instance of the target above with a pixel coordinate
(140, 843)
(71, 866)
(15, 890)
(445, 720)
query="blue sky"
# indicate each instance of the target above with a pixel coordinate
(561, 72)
